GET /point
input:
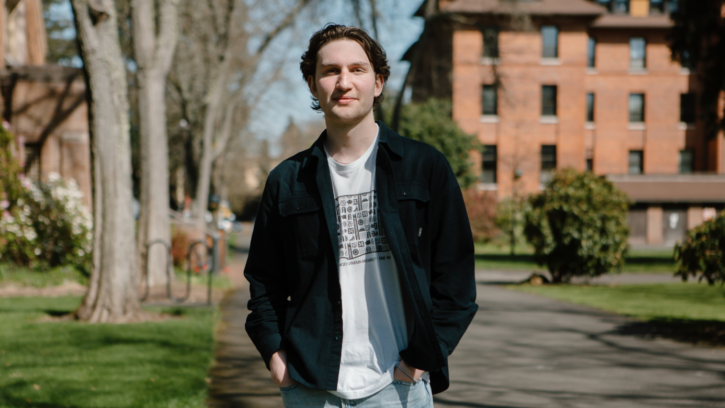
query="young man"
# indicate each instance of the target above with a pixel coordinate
(361, 264)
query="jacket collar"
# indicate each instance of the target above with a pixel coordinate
(388, 138)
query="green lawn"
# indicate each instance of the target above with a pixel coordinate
(647, 301)
(72, 364)
(26, 277)
(490, 256)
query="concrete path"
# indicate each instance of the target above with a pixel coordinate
(521, 351)
(528, 351)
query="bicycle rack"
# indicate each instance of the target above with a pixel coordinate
(209, 267)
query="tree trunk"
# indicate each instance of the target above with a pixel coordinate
(112, 295)
(153, 57)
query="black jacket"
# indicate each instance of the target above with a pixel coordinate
(293, 260)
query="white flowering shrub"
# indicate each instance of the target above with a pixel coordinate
(17, 234)
(48, 224)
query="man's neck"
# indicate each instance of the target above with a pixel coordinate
(347, 142)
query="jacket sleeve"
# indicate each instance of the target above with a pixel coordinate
(267, 279)
(453, 283)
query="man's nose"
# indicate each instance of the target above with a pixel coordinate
(343, 81)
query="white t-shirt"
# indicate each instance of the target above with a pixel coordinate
(373, 316)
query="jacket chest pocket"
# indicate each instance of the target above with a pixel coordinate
(413, 201)
(301, 219)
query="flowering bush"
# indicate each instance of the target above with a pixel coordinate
(44, 224)
(62, 223)
(59, 231)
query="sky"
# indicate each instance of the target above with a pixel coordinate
(289, 97)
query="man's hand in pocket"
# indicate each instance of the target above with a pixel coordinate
(278, 369)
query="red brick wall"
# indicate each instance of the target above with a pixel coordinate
(519, 133)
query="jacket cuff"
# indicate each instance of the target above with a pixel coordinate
(268, 345)
(421, 360)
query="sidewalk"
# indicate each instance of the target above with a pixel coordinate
(520, 351)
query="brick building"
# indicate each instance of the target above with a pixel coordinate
(44, 105)
(588, 84)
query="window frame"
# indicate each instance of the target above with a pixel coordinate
(641, 116)
(691, 168)
(615, 6)
(591, 52)
(591, 101)
(547, 166)
(691, 113)
(544, 104)
(632, 58)
(544, 47)
(495, 99)
(491, 163)
(494, 50)
(639, 154)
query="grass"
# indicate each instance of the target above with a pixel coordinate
(489, 256)
(220, 281)
(646, 301)
(27, 277)
(72, 364)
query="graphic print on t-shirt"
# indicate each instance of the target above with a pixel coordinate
(358, 229)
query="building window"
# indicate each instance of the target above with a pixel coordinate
(548, 162)
(590, 160)
(490, 160)
(673, 6)
(548, 100)
(687, 162)
(656, 6)
(636, 108)
(550, 40)
(621, 6)
(637, 53)
(591, 52)
(490, 42)
(605, 3)
(636, 162)
(687, 107)
(685, 60)
(590, 107)
(490, 100)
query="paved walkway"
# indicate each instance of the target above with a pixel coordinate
(521, 351)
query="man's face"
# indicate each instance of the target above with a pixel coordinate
(345, 82)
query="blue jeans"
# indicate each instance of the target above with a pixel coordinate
(398, 394)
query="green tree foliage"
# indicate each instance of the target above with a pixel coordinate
(510, 214)
(703, 252)
(698, 40)
(432, 122)
(578, 225)
(59, 25)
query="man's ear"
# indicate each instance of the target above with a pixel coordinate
(312, 85)
(379, 83)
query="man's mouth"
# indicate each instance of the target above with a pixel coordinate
(345, 99)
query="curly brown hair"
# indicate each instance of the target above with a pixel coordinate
(331, 32)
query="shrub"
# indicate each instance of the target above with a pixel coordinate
(510, 214)
(432, 122)
(578, 225)
(703, 252)
(481, 208)
(62, 223)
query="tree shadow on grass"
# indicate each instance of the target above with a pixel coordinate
(705, 332)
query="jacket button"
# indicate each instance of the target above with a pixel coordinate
(337, 338)
(405, 193)
(298, 208)
(339, 303)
